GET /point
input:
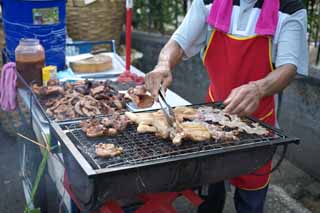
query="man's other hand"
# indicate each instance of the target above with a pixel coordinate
(243, 100)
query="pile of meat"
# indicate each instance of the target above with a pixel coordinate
(69, 101)
(200, 124)
(106, 150)
(108, 126)
(140, 97)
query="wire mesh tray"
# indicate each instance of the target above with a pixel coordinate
(147, 149)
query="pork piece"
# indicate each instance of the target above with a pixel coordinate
(108, 150)
(53, 82)
(209, 114)
(97, 90)
(36, 89)
(88, 123)
(47, 90)
(219, 134)
(95, 131)
(109, 126)
(50, 90)
(50, 102)
(68, 86)
(140, 97)
(82, 89)
(64, 112)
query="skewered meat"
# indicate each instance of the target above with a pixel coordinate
(108, 150)
(140, 97)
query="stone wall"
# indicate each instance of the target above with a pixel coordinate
(300, 111)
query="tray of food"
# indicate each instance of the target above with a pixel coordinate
(64, 101)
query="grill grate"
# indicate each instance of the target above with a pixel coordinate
(143, 148)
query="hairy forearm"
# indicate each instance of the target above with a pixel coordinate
(277, 80)
(170, 55)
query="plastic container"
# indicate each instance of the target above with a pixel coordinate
(41, 19)
(30, 59)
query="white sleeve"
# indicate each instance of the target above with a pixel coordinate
(191, 34)
(292, 44)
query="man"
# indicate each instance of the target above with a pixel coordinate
(252, 50)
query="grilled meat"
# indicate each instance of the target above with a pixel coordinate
(140, 97)
(95, 131)
(230, 121)
(108, 150)
(109, 126)
(85, 99)
(195, 124)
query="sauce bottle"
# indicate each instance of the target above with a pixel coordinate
(30, 59)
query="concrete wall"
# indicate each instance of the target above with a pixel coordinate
(190, 77)
(300, 117)
(300, 111)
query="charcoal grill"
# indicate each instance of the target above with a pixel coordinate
(150, 164)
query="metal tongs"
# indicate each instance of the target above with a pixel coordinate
(167, 110)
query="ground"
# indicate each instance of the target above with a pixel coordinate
(291, 189)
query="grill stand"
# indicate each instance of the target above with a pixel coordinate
(158, 202)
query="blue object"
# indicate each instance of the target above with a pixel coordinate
(41, 19)
(81, 47)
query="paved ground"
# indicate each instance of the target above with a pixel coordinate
(291, 189)
(11, 196)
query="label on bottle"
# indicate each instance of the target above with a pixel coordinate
(45, 16)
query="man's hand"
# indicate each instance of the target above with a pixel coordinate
(243, 100)
(160, 77)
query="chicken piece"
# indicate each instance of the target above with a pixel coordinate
(144, 128)
(111, 132)
(108, 150)
(155, 119)
(185, 113)
(190, 131)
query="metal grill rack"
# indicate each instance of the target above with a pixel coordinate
(147, 149)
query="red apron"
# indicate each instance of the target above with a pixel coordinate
(231, 62)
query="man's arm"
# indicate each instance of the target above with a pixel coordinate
(291, 57)
(161, 76)
(187, 41)
(245, 99)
